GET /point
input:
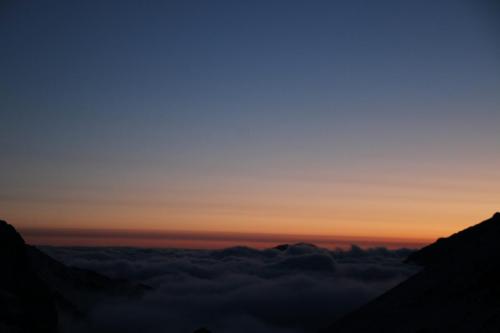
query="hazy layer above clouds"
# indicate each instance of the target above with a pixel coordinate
(293, 289)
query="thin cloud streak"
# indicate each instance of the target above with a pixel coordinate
(188, 239)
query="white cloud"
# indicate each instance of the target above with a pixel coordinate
(295, 289)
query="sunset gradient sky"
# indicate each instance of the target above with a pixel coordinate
(371, 119)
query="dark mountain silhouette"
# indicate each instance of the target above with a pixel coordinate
(26, 303)
(36, 290)
(457, 290)
(284, 247)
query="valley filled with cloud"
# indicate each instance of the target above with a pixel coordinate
(290, 288)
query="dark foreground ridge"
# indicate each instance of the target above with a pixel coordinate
(26, 304)
(38, 292)
(458, 289)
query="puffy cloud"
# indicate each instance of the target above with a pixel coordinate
(291, 289)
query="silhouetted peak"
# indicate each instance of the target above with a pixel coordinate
(306, 244)
(32, 283)
(456, 291)
(26, 304)
(476, 246)
(9, 235)
(281, 247)
(285, 247)
(12, 253)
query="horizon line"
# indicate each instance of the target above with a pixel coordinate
(202, 239)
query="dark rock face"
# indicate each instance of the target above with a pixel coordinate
(26, 303)
(77, 290)
(202, 330)
(458, 289)
(476, 248)
(37, 291)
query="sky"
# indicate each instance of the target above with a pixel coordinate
(367, 119)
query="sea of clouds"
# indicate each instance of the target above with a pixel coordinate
(292, 289)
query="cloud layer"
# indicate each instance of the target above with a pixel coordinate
(293, 289)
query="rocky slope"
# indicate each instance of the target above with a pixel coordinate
(26, 303)
(457, 290)
(36, 291)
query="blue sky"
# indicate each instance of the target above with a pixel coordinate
(162, 98)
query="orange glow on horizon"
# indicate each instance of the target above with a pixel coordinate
(328, 123)
(389, 206)
(201, 240)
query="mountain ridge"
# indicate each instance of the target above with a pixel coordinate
(37, 291)
(457, 289)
